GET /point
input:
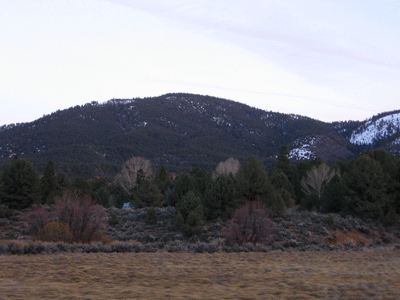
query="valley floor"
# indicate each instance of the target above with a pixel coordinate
(370, 274)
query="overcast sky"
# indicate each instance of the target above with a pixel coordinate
(329, 60)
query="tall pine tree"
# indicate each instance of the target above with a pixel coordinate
(20, 184)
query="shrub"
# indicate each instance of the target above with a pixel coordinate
(86, 220)
(150, 216)
(37, 220)
(113, 220)
(329, 220)
(5, 212)
(250, 224)
(390, 219)
(310, 202)
(83, 218)
(276, 205)
(54, 232)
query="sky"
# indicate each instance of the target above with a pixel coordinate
(329, 60)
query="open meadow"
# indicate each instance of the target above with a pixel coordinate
(370, 274)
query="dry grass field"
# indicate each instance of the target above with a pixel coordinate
(371, 274)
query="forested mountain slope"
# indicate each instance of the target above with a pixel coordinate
(177, 130)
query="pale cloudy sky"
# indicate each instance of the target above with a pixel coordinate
(329, 60)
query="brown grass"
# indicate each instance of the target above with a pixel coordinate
(273, 275)
(339, 237)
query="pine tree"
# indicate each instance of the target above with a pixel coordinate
(189, 214)
(221, 197)
(333, 200)
(367, 189)
(20, 184)
(253, 180)
(162, 174)
(183, 184)
(202, 178)
(48, 184)
(147, 194)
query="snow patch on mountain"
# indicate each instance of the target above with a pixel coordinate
(396, 142)
(373, 131)
(303, 153)
(303, 150)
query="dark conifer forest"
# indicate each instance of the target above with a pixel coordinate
(205, 156)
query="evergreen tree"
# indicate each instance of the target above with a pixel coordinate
(183, 184)
(100, 191)
(189, 214)
(281, 183)
(81, 186)
(118, 195)
(333, 200)
(367, 189)
(147, 194)
(162, 174)
(48, 184)
(164, 182)
(283, 162)
(63, 182)
(203, 179)
(20, 185)
(276, 204)
(221, 197)
(253, 180)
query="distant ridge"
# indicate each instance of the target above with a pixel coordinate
(182, 131)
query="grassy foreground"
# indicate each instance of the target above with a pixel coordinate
(371, 274)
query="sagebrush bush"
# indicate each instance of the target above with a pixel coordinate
(250, 224)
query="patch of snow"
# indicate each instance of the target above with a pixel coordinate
(395, 142)
(376, 130)
(303, 153)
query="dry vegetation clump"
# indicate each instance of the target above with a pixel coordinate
(348, 239)
(74, 218)
(54, 232)
(250, 224)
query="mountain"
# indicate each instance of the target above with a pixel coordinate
(177, 130)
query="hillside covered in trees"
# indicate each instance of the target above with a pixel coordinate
(176, 130)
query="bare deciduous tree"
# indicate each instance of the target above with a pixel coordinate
(75, 219)
(127, 177)
(317, 178)
(250, 223)
(228, 166)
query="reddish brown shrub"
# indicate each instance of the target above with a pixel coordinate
(250, 224)
(86, 220)
(37, 220)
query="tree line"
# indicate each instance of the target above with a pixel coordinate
(367, 187)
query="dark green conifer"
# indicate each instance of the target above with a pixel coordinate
(48, 184)
(253, 180)
(221, 197)
(147, 194)
(189, 214)
(20, 185)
